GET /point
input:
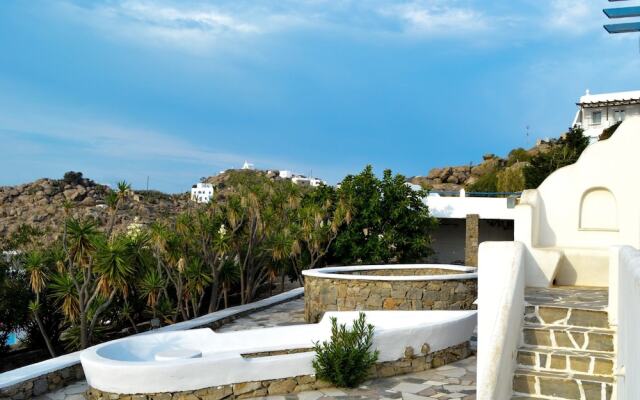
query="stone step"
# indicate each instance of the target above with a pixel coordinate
(559, 385)
(566, 316)
(563, 337)
(570, 361)
(528, 398)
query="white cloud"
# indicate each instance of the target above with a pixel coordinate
(206, 25)
(438, 18)
(573, 16)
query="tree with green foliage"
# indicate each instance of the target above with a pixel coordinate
(389, 221)
(566, 151)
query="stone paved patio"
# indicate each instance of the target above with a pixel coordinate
(453, 381)
(289, 313)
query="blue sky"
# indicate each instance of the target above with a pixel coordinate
(176, 90)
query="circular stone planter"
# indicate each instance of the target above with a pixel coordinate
(389, 287)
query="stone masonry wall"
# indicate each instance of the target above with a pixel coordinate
(327, 294)
(411, 362)
(43, 384)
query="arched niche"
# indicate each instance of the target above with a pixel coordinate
(598, 210)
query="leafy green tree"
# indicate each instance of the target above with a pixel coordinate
(389, 220)
(565, 152)
(14, 302)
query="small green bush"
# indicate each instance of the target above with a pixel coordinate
(345, 360)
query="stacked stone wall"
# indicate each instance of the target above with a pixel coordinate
(43, 384)
(413, 361)
(329, 294)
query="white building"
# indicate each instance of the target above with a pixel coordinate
(495, 222)
(303, 180)
(597, 112)
(202, 192)
(248, 165)
(284, 174)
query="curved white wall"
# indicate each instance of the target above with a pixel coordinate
(582, 209)
(129, 365)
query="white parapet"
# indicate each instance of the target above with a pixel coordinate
(461, 206)
(501, 284)
(131, 365)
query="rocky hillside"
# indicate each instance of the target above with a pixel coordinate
(464, 176)
(40, 204)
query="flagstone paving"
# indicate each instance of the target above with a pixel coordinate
(289, 313)
(453, 381)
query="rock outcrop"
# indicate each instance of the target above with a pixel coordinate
(40, 204)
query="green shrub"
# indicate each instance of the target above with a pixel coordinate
(345, 360)
(608, 132)
(511, 179)
(518, 155)
(486, 183)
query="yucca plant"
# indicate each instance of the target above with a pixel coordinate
(38, 273)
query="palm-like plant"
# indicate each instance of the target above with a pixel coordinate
(114, 200)
(64, 292)
(151, 287)
(35, 265)
(229, 275)
(37, 271)
(81, 240)
(114, 267)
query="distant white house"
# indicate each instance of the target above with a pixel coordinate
(306, 181)
(248, 165)
(597, 112)
(202, 192)
(284, 174)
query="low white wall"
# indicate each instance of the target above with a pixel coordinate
(501, 282)
(25, 373)
(625, 284)
(129, 366)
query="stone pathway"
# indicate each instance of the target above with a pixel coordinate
(453, 381)
(289, 313)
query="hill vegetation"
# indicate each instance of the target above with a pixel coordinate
(521, 169)
(97, 274)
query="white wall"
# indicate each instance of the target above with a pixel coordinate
(501, 282)
(623, 310)
(449, 237)
(593, 130)
(582, 209)
(460, 207)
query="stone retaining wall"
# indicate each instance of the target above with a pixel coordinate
(43, 384)
(329, 294)
(411, 362)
